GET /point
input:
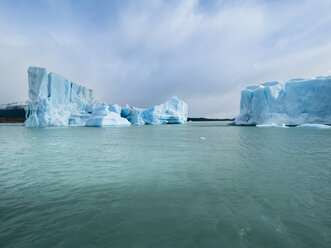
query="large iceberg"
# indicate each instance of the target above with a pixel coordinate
(174, 111)
(295, 102)
(55, 101)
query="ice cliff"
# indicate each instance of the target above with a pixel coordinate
(55, 101)
(295, 102)
(174, 111)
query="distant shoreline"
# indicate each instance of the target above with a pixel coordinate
(17, 115)
(11, 119)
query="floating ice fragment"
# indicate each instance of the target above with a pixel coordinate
(322, 126)
(102, 117)
(273, 125)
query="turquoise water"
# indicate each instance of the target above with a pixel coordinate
(194, 185)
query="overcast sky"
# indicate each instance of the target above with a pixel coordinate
(142, 52)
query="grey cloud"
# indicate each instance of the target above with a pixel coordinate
(142, 54)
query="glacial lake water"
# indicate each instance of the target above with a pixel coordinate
(202, 184)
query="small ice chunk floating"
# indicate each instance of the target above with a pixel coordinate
(103, 117)
(55, 101)
(296, 102)
(318, 126)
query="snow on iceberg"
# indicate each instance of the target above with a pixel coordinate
(102, 117)
(55, 101)
(296, 102)
(174, 111)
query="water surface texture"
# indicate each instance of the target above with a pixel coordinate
(193, 185)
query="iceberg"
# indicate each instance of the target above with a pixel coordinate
(115, 108)
(174, 111)
(298, 101)
(133, 115)
(55, 101)
(103, 117)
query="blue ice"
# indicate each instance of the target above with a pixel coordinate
(295, 102)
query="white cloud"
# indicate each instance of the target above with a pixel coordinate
(145, 51)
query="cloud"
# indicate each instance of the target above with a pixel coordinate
(142, 52)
